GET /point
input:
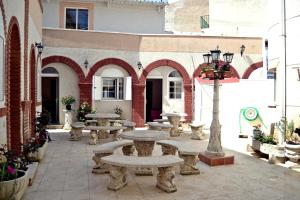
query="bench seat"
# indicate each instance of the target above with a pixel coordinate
(159, 126)
(197, 132)
(185, 151)
(119, 164)
(161, 120)
(108, 149)
(76, 131)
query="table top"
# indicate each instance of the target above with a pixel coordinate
(173, 114)
(102, 115)
(145, 135)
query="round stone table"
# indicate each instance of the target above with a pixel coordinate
(144, 141)
(174, 119)
(102, 120)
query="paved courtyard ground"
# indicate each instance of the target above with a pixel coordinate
(65, 174)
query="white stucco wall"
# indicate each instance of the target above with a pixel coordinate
(107, 106)
(68, 85)
(114, 17)
(236, 17)
(273, 34)
(51, 13)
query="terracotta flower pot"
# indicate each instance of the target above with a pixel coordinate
(209, 74)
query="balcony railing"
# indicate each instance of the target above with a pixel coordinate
(204, 21)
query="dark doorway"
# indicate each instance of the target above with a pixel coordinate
(153, 99)
(50, 98)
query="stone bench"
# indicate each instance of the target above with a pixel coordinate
(91, 122)
(187, 153)
(161, 120)
(197, 133)
(93, 134)
(108, 149)
(165, 164)
(159, 126)
(76, 131)
(102, 132)
(130, 126)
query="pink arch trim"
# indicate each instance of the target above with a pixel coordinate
(251, 68)
(67, 61)
(113, 61)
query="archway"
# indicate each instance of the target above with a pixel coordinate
(127, 67)
(32, 89)
(13, 86)
(251, 68)
(186, 85)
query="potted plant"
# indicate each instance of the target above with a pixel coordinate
(68, 101)
(292, 144)
(13, 178)
(84, 109)
(208, 72)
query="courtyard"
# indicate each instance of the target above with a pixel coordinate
(66, 173)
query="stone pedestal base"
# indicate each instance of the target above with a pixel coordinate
(215, 160)
(68, 119)
(189, 166)
(118, 177)
(165, 179)
(100, 167)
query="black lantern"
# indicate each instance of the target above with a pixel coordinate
(40, 47)
(242, 49)
(215, 54)
(228, 57)
(139, 65)
(207, 58)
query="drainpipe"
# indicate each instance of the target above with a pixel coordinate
(282, 74)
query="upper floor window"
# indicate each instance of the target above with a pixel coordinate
(77, 18)
(175, 85)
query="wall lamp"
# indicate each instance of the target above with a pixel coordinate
(40, 47)
(86, 63)
(242, 49)
(139, 65)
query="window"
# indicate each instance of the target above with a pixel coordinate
(1, 68)
(175, 85)
(113, 88)
(77, 18)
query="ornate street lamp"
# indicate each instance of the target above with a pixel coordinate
(214, 148)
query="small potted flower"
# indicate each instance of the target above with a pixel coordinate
(208, 72)
(68, 101)
(84, 109)
(292, 144)
(13, 180)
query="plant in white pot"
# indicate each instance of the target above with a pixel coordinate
(292, 144)
(13, 178)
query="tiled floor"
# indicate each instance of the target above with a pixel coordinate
(65, 173)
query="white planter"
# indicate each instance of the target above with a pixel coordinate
(39, 154)
(14, 189)
(292, 152)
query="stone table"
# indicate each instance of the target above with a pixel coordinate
(144, 141)
(174, 119)
(102, 119)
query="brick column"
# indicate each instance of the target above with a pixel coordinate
(188, 102)
(85, 92)
(138, 103)
(26, 120)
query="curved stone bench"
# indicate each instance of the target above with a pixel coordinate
(76, 131)
(161, 120)
(185, 151)
(108, 149)
(197, 133)
(119, 164)
(130, 126)
(159, 126)
(91, 122)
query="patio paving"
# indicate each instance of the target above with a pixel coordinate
(65, 174)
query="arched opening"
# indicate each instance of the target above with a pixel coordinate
(50, 93)
(14, 87)
(32, 89)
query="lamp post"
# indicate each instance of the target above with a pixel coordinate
(214, 147)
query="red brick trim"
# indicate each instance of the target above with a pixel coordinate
(13, 86)
(166, 62)
(85, 92)
(251, 68)
(233, 71)
(26, 21)
(112, 61)
(186, 80)
(138, 102)
(3, 112)
(67, 61)
(33, 92)
(3, 16)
